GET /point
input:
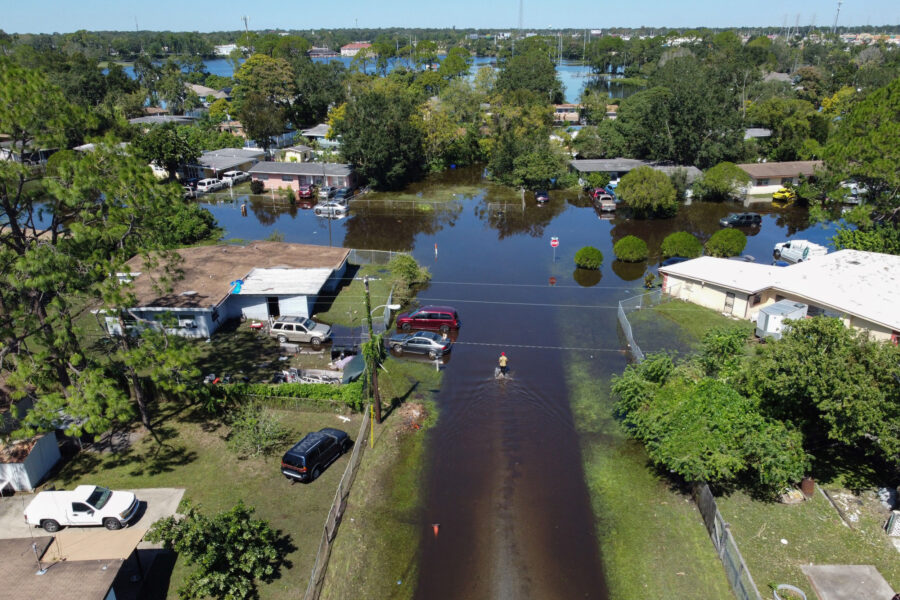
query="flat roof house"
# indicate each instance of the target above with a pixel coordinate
(858, 287)
(768, 177)
(257, 281)
(213, 163)
(277, 175)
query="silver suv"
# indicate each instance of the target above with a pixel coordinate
(299, 329)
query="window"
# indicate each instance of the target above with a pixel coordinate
(787, 180)
(262, 177)
(278, 326)
(756, 299)
(762, 182)
(287, 178)
(80, 507)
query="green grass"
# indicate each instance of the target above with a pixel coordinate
(429, 194)
(378, 543)
(814, 534)
(651, 537)
(678, 326)
(349, 307)
(193, 455)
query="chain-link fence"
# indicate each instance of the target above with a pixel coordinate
(372, 257)
(628, 305)
(735, 568)
(336, 512)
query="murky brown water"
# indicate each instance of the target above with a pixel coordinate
(504, 479)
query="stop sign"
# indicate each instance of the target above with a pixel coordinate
(554, 242)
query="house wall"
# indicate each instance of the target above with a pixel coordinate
(276, 182)
(256, 307)
(769, 185)
(198, 322)
(294, 156)
(26, 475)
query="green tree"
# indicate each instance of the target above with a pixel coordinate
(631, 249)
(532, 71)
(262, 119)
(726, 242)
(792, 122)
(379, 137)
(169, 146)
(864, 148)
(231, 551)
(455, 64)
(681, 243)
(272, 79)
(833, 383)
(255, 430)
(538, 168)
(725, 181)
(220, 110)
(597, 179)
(588, 258)
(318, 87)
(648, 193)
(884, 238)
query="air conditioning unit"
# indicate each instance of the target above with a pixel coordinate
(187, 324)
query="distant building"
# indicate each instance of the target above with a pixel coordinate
(767, 178)
(618, 167)
(224, 49)
(757, 132)
(318, 52)
(860, 288)
(204, 93)
(565, 114)
(299, 153)
(162, 120)
(353, 48)
(213, 163)
(319, 133)
(279, 175)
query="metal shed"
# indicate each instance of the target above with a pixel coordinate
(770, 321)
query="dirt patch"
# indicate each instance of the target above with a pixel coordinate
(17, 452)
(411, 415)
(117, 441)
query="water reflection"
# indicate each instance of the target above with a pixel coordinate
(587, 277)
(629, 271)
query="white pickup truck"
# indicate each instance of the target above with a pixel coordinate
(795, 251)
(85, 505)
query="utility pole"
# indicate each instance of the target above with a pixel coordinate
(373, 390)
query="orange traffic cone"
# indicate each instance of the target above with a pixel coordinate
(435, 527)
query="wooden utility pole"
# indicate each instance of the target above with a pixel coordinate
(373, 362)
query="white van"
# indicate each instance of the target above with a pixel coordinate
(233, 177)
(795, 251)
(85, 505)
(208, 185)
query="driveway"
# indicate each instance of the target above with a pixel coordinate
(156, 503)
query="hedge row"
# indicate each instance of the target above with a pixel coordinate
(290, 395)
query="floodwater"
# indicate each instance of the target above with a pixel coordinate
(504, 483)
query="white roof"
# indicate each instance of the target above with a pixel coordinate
(737, 275)
(853, 282)
(285, 281)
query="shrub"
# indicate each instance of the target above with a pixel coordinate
(597, 179)
(726, 242)
(408, 274)
(648, 193)
(721, 182)
(255, 431)
(631, 249)
(287, 395)
(256, 187)
(681, 243)
(589, 258)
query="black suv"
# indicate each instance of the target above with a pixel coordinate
(311, 455)
(740, 220)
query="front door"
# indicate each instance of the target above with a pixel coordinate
(272, 303)
(729, 303)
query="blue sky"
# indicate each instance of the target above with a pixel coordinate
(49, 16)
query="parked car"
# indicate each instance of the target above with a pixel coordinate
(421, 342)
(795, 251)
(327, 191)
(85, 505)
(541, 196)
(306, 191)
(209, 185)
(312, 455)
(299, 329)
(342, 194)
(443, 318)
(232, 177)
(785, 194)
(335, 206)
(741, 220)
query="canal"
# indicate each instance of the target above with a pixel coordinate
(504, 481)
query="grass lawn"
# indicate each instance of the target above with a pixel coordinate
(194, 456)
(378, 542)
(814, 534)
(349, 307)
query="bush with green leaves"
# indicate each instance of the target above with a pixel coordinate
(726, 242)
(255, 431)
(256, 186)
(681, 243)
(724, 181)
(286, 395)
(589, 258)
(597, 179)
(407, 276)
(631, 249)
(648, 193)
(230, 551)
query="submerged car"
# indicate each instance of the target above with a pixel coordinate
(421, 342)
(306, 191)
(306, 460)
(299, 329)
(331, 207)
(785, 194)
(741, 220)
(541, 196)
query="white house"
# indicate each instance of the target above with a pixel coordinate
(767, 178)
(858, 287)
(257, 281)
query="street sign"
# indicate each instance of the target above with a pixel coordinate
(553, 281)
(554, 242)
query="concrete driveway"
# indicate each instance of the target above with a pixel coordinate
(156, 503)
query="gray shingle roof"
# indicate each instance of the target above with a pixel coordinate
(309, 169)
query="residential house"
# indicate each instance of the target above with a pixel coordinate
(319, 134)
(151, 120)
(205, 93)
(353, 48)
(213, 163)
(27, 154)
(611, 111)
(258, 281)
(278, 175)
(768, 177)
(224, 49)
(752, 133)
(618, 167)
(858, 287)
(320, 52)
(565, 114)
(299, 153)
(281, 140)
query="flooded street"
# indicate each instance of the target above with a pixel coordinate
(504, 480)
